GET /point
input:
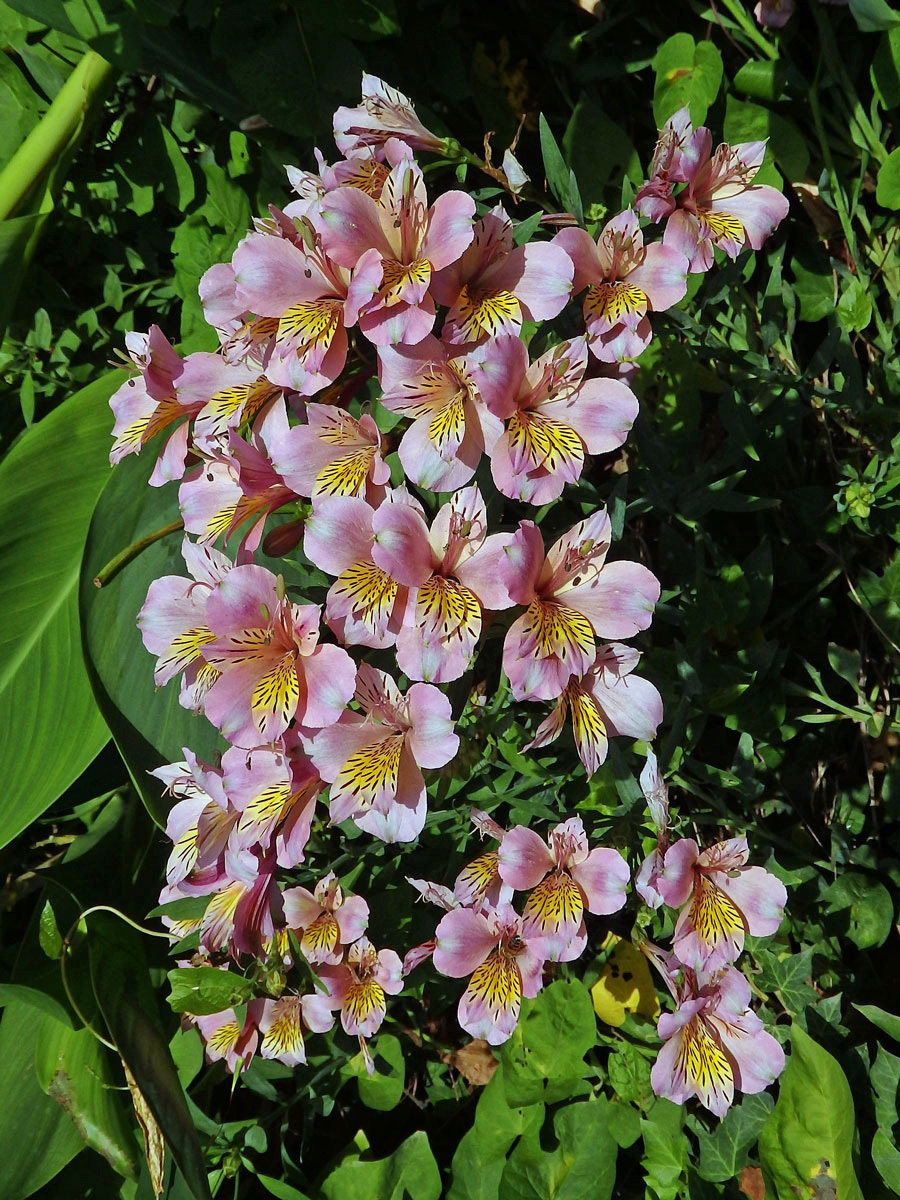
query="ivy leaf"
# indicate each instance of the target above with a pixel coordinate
(410, 1171)
(723, 1153)
(583, 1163)
(810, 1130)
(544, 1058)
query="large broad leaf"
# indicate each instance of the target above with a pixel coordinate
(582, 1164)
(810, 1131)
(409, 1172)
(49, 484)
(480, 1157)
(74, 1069)
(149, 726)
(543, 1061)
(37, 1139)
(122, 986)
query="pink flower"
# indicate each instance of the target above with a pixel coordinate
(237, 485)
(358, 987)
(452, 426)
(145, 406)
(173, 625)
(567, 879)
(326, 919)
(720, 206)
(723, 899)
(273, 793)
(373, 761)
(773, 14)
(713, 1044)
(625, 280)
(495, 285)
(226, 1038)
(383, 114)
(303, 295)
(333, 454)
(607, 702)
(452, 575)
(361, 169)
(272, 669)
(394, 244)
(505, 964)
(199, 825)
(656, 793)
(554, 415)
(365, 604)
(570, 596)
(282, 1023)
(479, 881)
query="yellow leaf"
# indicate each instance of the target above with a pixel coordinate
(625, 984)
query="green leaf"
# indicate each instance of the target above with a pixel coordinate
(560, 178)
(874, 15)
(49, 484)
(20, 993)
(381, 1091)
(74, 1069)
(121, 980)
(19, 106)
(686, 74)
(723, 1153)
(788, 976)
(204, 990)
(480, 1157)
(812, 1124)
(150, 727)
(745, 122)
(280, 1189)
(885, 1079)
(543, 1061)
(665, 1149)
(886, 69)
(409, 1172)
(887, 1022)
(887, 191)
(598, 150)
(25, 1109)
(886, 1158)
(48, 932)
(582, 1164)
(869, 908)
(762, 80)
(854, 307)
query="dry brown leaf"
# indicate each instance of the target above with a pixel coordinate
(753, 1184)
(475, 1062)
(154, 1142)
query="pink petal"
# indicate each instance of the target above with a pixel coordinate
(401, 546)
(431, 738)
(449, 229)
(677, 880)
(338, 533)
(619, 601)
(582, 250)
(759, 895)
(760, 210)
(524, 858)
(464, 939)
(603, 877)
(546, 282)
(350, 223)
(522, 562)
(632, 706)
(330, 675)
(662, 275)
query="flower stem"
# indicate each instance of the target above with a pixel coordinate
(124, 557)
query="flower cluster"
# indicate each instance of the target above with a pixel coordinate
(374, 348)
(714, 1044)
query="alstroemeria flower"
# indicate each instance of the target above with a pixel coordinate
(393, 245)
(361, 169)
(365, 604)
(199, 825)
(567, 878)
(505, 964)
(625, 280)
(656, 793)
(495, 285)
(714, 1045)
(302, 294)
(272, 669)
(225, 1038)
(571, 595)
(720, 206)
(433, 893)
(274, 793)
(452, 572)
(384, 113)
(607, 702)
(452, 426)
(373, 761)
(479, 881)
(244, 904)
(359, 985)
(333, 454)
(554, 416)
(145, 406)
(723, 898)
(173, 625)
(674, 156)
(237, 486)
(325, 918)
(282, 1023)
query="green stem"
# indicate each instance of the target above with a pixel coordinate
(124, 557)
(56, 133)
(741, 18)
